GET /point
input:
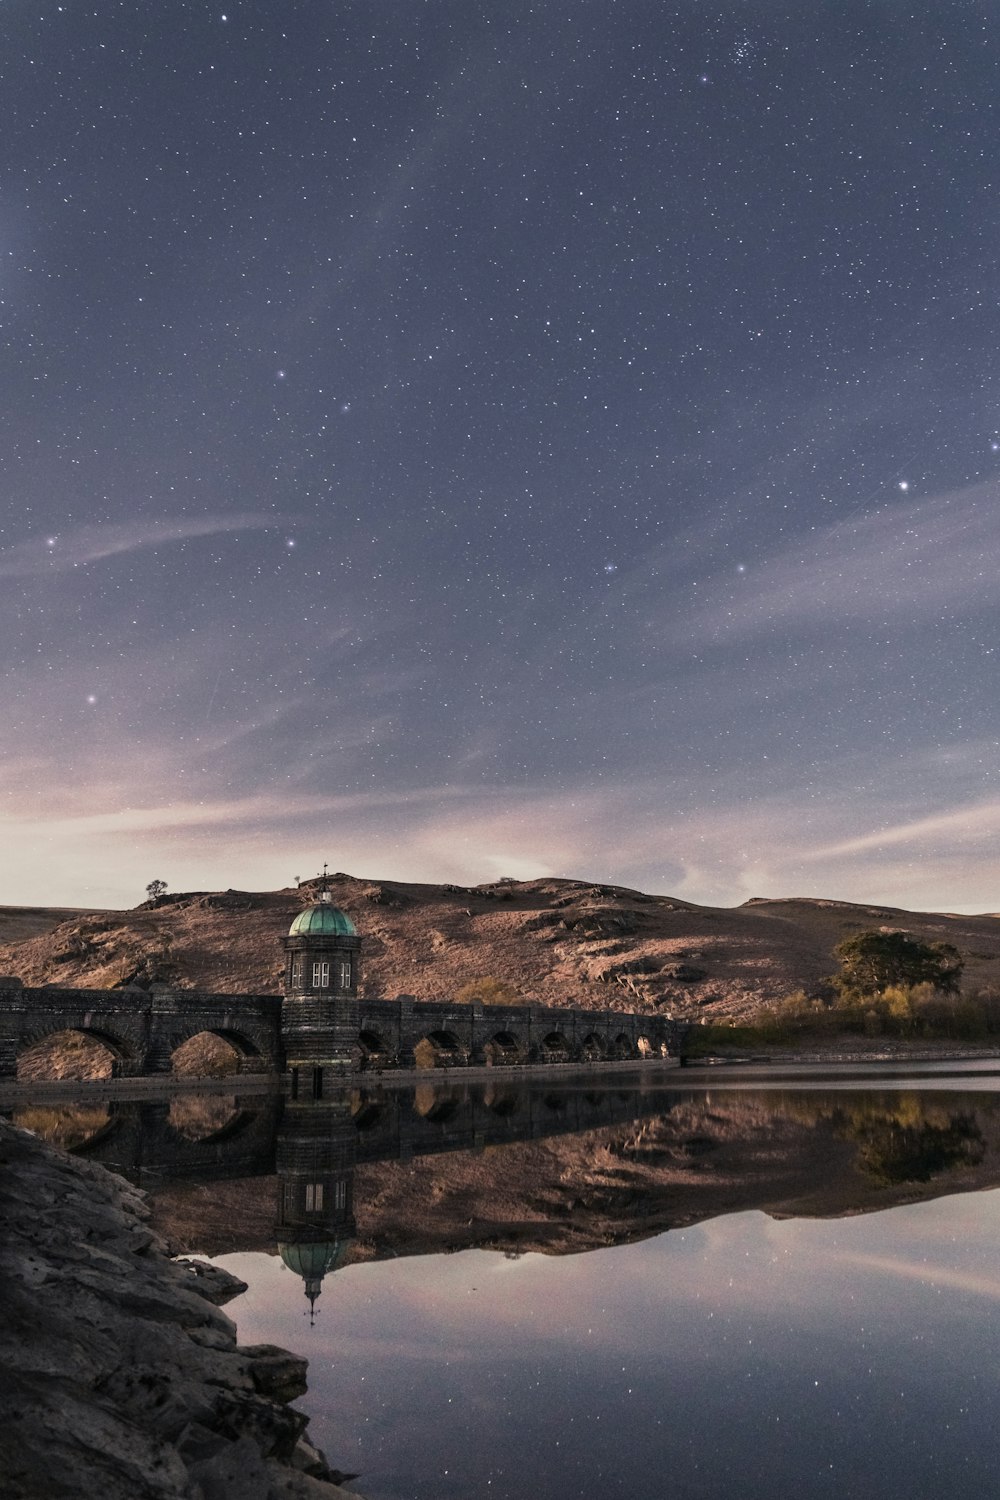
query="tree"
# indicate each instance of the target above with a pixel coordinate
(872, 962)
(155, 889)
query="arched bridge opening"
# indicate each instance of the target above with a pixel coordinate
(622, 1047)
(503, 1050)
(211, 1054)
(554, 1047)
(374, 1049)
(439, 1049)
(592, 1048)
(72, 1054)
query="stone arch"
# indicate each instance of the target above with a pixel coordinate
(554, 1047)
(73, 1052)
(646, 1047)
(373, 1047)
(212, 1052)
(622, 1047)
(593, 1048)
(439, 1049)
(503, 1049)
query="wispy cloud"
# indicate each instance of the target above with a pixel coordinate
(916, 559)
(58, 552)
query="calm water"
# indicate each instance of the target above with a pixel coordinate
(702, 1288)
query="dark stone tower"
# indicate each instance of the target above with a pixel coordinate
(319, 1012)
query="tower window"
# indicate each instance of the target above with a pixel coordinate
(321, 976)
(314, 1197)
(345, 974)
(297, 969)
(340, 1195)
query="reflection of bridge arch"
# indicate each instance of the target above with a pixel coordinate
(502, 1102)
(430, 1105)
(78, 1127)
(208, 1120)
(366, 1113)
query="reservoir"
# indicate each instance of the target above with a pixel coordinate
(641, 1283)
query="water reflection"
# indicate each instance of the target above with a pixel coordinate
(421, 1246)
(556, 1167)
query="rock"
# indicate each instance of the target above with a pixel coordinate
(275, 1372)
(119, 1376)
(234, 1469)
(212, 1282)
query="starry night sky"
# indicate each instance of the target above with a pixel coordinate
(459, 440)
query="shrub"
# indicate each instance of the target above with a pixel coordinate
(874, 962)
(488, 991)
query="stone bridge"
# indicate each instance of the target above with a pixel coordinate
(143, 1028)
(484, 1035)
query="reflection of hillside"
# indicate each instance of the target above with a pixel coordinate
(699, 1157)
(510, 1168)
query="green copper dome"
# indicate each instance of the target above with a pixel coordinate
(311, 1259)
(322, 920)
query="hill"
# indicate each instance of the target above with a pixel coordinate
(558, 942)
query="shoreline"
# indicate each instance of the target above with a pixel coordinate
(120, 1375)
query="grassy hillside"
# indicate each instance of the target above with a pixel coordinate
(558, 942)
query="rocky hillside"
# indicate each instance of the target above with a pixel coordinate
(558, 942)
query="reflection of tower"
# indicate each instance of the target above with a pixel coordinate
(315, 1157)
(319, 1012)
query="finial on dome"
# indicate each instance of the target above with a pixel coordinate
(324, 891)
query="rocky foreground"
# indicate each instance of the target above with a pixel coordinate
(120, 1377)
